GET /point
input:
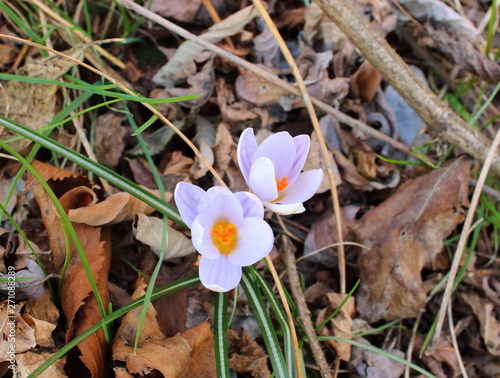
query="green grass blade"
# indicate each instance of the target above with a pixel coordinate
(280, 314)
(382, 352)
(105, 93)
(158, 293)
(220, 335)
(99, 170)
(261, 314)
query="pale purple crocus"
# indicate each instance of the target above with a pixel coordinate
(227, 229)
(272, 170)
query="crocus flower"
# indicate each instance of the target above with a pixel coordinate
(272, 170)
(227, 229)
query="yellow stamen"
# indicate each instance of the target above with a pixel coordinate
(282, 184)
(224, 236)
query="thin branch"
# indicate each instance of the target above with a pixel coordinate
(440, 119)
(304, 313)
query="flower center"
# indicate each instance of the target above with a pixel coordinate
(282, 184)
(224, 236)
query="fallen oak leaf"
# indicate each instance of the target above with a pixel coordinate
(77, 298)
(340, 325)
(189, 354)
(149, 230)
(28, 362)
(116, 208)
(403, 234)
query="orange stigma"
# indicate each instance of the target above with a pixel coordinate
(224, 236)
(282, 184)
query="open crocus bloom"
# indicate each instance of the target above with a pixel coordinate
(228, 231)
(272, 170)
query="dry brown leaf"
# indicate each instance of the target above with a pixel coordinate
(33, 105)
(184, 11)
(29, 361)
(15, 325)
(464, 53)
(340, 325)
(365, 82)
(223, 147)
(149, 230)
(77, 299)
(245, 355)
(315, 161)
(8, 52)
(253, 88)
(204, 139)
(404, 233)
(485, 313)
(321, 234)
(233, 112)
(443, 354)
(118, 207)
(375, 365)
(109, 134)
(45, 315)
(189, 354)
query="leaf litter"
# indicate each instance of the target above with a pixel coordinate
(407, 218)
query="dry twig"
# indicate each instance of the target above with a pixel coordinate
(440, 119)
(304, 313)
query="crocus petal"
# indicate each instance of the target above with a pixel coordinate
(254, 241)
(302, 145)
(187, 197)
(303, 188)
(247, 146)
(288, 209)
(219, 204)
(219, 275)
(202, 241)
(252, 207)
(263, 179)
(280, 149)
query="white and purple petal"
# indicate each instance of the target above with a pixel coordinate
(303, 188)
(263, 179)
(251, 204)
(280, 149)
(219, 204)
(219, 275)
(187, 197)
(302, 145)
(285, 209)
(255, 240)
(247, 146)
(202, 241)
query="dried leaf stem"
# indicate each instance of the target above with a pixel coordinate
(304, 313)
(463, 239)
(440, 119)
